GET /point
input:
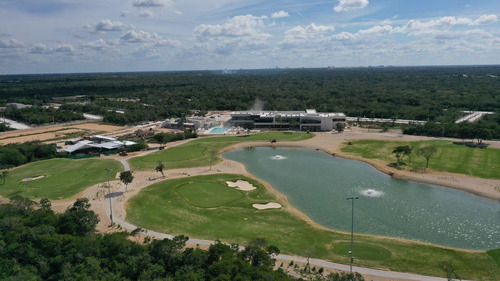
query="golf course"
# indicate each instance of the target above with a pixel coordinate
(206, 207)
(201, 151)
(57, 179)
(449, 157)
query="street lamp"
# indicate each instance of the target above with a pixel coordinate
(109, 195)
(352, 227)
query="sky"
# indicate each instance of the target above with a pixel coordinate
(73, 36)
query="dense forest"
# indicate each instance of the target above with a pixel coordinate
(16, 154)
(422, 93)
(38, 244)
(38, 115)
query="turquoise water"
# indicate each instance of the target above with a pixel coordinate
(317, 184)
(218, 130)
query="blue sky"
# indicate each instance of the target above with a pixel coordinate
(54, 36)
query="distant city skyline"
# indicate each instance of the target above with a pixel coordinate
(70, 36)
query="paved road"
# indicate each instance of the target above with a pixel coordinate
(314, 262)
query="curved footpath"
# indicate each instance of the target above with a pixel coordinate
(147, 178)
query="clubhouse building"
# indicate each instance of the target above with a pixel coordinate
(308, 120)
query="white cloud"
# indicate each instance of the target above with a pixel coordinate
(10, 44)
(444, 22)
(108, 25)
(485, 19)
(280, 14)
(168, 43)
(309, 31)
(146, 14)
(133, 36)
(452, 35)
(348, 5)
(64, 48)
(150, 39)
(300, 35)
(124, 14)
(102, 45)
(39, 48)
(375, 31)
(342, 36)
(245, 32)
(238, 26)
(151, 3)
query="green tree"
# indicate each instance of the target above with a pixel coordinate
(340, 127)
(161, 138)
(399, 152)
(160, 167)
(126, 177)
(427, 153)
(3, 175)
(78, 219)
(45, 203)
(407, 150)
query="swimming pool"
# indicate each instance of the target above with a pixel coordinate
(218, 130)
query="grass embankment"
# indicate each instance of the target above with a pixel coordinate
(449, 157)
(205, 207)
(62, 178)
(198, 152)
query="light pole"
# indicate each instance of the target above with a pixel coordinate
(352, 228)
(109, 195)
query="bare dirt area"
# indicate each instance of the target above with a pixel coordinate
(97, 127)
(39, 137)
(53, 132)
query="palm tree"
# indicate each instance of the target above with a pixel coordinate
(160, 167)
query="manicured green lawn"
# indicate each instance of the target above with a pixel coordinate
(198, 152)
(450, 157)
(63, 178)
(208, 194)
(167, 207)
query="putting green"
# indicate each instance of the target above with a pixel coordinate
(172, 207)
(201, 151)
(208, 194)
(62, 178)
(362, 251)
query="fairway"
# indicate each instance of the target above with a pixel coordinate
(450, 157)
(198, 152)
(58, 178)
(168, 207)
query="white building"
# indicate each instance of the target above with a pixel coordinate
(310, 120)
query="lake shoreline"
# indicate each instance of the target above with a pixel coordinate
(486, 188)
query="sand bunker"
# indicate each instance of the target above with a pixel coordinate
(241, 185)
(33, 178)
(270, 205)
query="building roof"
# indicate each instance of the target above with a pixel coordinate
(308, 112)
(104, 138)
(85, 144)
(111, 145)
